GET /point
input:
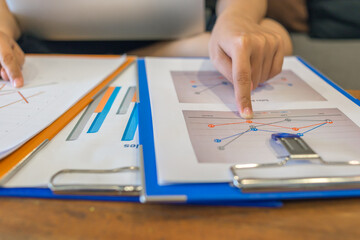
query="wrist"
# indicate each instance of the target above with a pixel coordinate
(250, 10)
(233, 18)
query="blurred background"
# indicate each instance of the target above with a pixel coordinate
(326, 33)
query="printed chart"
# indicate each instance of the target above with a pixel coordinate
(23, 103)
(10, 96)
(223, 137)
(48, 92)
(212, 87)
(103, 136)
(97, 112)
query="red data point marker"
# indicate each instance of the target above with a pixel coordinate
(295, 129)
(249, 121)
(211, 125)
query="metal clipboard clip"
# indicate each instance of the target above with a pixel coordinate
(291, 148)
(95, 189)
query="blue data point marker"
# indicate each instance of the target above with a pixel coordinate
(217, 140)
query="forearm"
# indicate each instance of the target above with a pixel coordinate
(8, 24)
(254, 10)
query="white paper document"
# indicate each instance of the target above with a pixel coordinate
(199, 134)
(53, 84)
(103, 136)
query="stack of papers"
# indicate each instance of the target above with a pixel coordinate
(53, 84)
(103, 136)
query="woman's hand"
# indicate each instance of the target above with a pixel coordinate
(11, 60)
(246, 53)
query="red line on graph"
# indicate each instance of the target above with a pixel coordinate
(22, 96)
(2, 86)
(272, 125)
(213, 125)
(312, 125)
(20, 100)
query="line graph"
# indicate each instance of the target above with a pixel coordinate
(21, 100)
(212, 87)
(10, 96)
(204, 87)
(257, 126)
(221, 137)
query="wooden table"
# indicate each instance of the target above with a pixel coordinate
(58, 219)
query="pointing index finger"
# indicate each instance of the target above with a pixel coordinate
(241, 69)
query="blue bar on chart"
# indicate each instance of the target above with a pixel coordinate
(104, 105)
(132, 124)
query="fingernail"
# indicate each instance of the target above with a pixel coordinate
(247, 113)
(17, 82)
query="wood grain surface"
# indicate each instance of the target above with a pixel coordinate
(57, 219)
(64, 219)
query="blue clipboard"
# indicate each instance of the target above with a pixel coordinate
(47, 193)
(209, 192)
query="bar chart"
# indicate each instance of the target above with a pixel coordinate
(103, 108)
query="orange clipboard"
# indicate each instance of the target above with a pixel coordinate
(15, 159)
